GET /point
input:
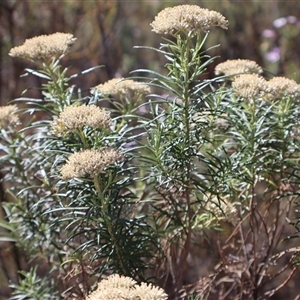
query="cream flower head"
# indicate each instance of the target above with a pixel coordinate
(249, 86)
(119, 86)
(222, 209)
(89, 162)
(44, 46)
(8, 117)
(149, 292)
(187, 18)
(236, 66)
(117, 287)
(74, 117)
(279, 87)
(115, 281)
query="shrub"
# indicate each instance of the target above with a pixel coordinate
(138, 185)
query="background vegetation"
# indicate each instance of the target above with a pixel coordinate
(106, 33)
(108, 30)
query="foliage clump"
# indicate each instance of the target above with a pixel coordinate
(131, 183)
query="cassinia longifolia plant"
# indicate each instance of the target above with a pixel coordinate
(146, 186)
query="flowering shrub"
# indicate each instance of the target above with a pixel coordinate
(127, 182)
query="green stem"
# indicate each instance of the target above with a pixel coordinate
(82, 138)
(58, 83)
(108, 222)
(254, 159)
(185, 62)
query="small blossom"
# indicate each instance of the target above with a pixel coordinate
(237, 66)
(268, 33)
(279, 87)
(8, 117)
(119, 86)
(112, 294)
(89, 162)
(117, 287)
(248, 86)
(74, 117)
(44, 46)
(291, 19)
(280, 22)
(149, 292)
(222, 209)
(187, 18)
(114, 287)
(273, 55)
(116, 281)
